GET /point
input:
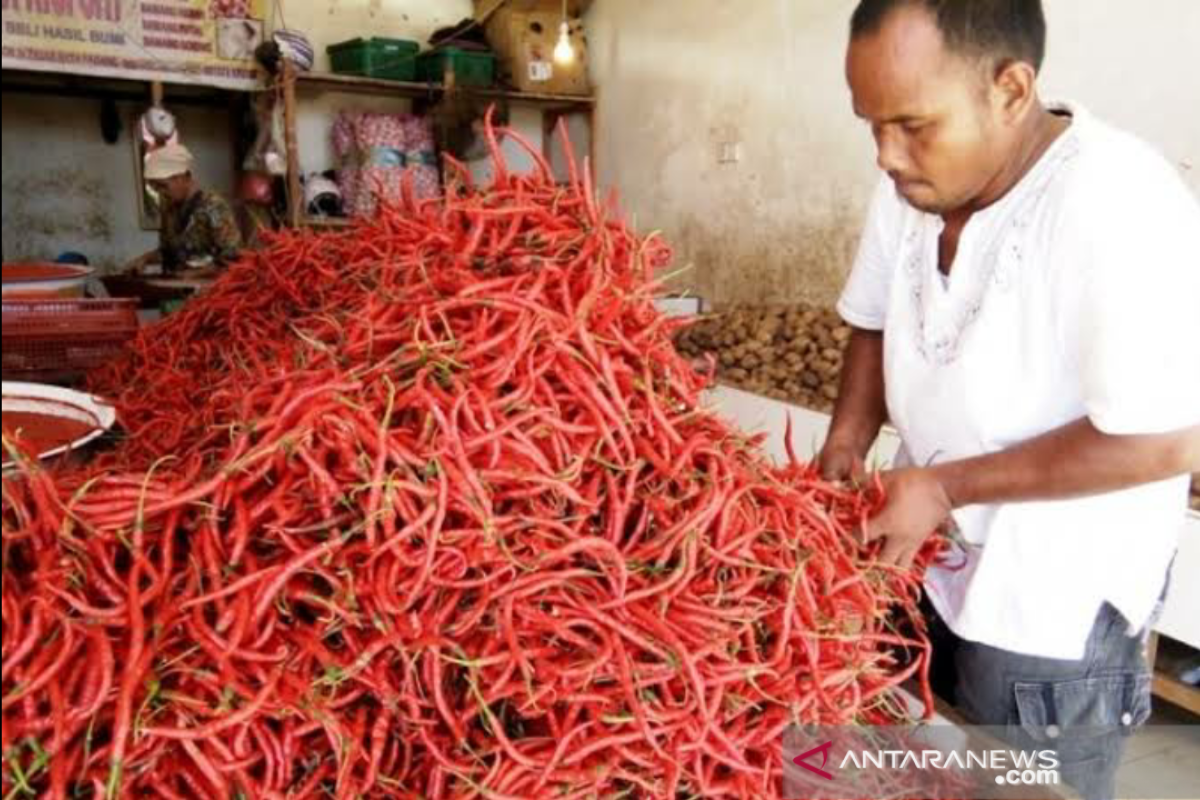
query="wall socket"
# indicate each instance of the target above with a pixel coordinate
(729, 153)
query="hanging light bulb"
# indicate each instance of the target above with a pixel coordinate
(564, 52)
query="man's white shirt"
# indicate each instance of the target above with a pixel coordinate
(1075, 295)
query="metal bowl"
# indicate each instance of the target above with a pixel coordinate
(40, 398)
(45, 280)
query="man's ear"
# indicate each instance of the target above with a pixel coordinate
(1014, 90)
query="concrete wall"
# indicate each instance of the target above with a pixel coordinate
(682, 80)
(64, 188)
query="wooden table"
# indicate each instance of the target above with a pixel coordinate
(180, 283)
(152, 292)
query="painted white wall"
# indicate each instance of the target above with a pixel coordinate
(527, 121)
(678, 79)
(1137, 65)
(64, 188)
(327, 22)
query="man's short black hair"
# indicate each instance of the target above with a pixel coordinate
(996, 30)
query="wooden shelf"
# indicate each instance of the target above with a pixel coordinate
(351, 84)
(1166, 657)
(293, 83)
(535, 98)
(1173, 690)
(65, 84)
(330, 82)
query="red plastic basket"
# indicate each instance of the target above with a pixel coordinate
(47, 338)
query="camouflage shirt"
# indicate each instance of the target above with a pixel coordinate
(201, 227)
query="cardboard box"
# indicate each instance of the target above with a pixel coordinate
(575, 8)
(523, 34)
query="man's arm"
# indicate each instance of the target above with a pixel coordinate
(1075, 460)
(137, 265)
(861, 407)
(226, 235)
(1072, 461)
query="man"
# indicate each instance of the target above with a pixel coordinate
(198, 229)
(1026, 312)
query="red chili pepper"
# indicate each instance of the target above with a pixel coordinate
(432, 506)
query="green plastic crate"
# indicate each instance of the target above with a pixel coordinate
(471, 68)
(391, 59)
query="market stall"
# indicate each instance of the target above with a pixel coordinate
(150, 73)
(441, 481)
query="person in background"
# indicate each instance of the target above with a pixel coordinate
(1024, 305)
(198, 229)
(256, 206)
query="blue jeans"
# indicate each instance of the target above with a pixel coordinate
(1084, 710)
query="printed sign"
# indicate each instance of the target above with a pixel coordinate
(208, 42)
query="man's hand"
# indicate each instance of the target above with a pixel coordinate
(917, 505)
(138, 265)
(839, 461)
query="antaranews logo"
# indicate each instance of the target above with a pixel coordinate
(802, 760)
(849, 763)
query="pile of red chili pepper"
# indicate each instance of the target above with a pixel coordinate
(430, 507)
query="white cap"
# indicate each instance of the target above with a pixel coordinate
(168, 162)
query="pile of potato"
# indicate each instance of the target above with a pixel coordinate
(793, 353)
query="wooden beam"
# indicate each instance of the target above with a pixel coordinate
(131, 93)
(593, 112)
(295, 190)
(329, 82)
